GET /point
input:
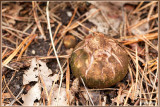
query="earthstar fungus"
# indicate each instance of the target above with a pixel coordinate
(100, 60)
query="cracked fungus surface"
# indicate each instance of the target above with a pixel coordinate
(100, 61)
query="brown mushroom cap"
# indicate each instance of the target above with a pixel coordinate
(100, 61)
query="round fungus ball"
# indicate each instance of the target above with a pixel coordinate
(99, 60)
(69, 41)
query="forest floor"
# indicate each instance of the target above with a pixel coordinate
(31, 74)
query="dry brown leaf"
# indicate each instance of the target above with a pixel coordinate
(111, 15)
(14, 12)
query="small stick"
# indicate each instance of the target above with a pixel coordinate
(75, 33)
(119, 93)
(74, 25)
(3, 37)
(4, 88)
(49, 52)
(67, 81)
(52, 57)
(59, 24)
(151, 10)
(9, 31)
(138, 7)
(45, 88)
(139, 39)
(86, 27)
(3, 53)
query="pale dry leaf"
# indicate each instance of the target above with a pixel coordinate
(14, 12)
(75, 85)
(121, 99)
(103, 103)
(63, 101)
(45, 73)
(142, 29)
(33, 94)
(134, 94)
(94, 96)
(37, 68)
(112, 14)
(98, 20)
(31, 74)
(62, 97)
(36, 104)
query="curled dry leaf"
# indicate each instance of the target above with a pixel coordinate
(39, 68)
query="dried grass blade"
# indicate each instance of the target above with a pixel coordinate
(74, 25)
(143, 21)
(44, 86)
(51, 91)
(145, 6)
(50, 32)
(134, 40)
(16, 51)
(37, 20)
(140, 4)
(19, 56)
(87, 91)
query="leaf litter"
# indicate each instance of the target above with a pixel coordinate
(132, 24)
